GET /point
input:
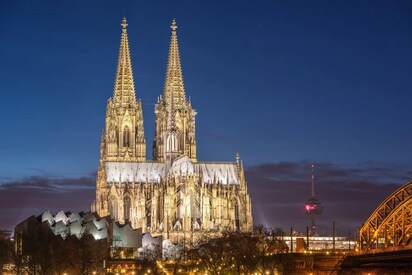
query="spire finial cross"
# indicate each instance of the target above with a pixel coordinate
(124, 23)
(173, 26)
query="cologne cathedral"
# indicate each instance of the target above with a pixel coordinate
(174, 194)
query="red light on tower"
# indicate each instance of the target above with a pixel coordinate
(313, 206)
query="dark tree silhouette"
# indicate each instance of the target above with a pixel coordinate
(236, 253)
(5, 250)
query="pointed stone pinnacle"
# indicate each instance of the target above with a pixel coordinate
(124, 83)
(174, 78)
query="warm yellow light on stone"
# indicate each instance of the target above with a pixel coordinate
(175, 194)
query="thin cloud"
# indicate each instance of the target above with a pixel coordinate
(349, 194)
(46, 184)
(31, 196)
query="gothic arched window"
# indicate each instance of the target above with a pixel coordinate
(127, 206)
(171, 143)
(126, 137)
(117, 136)
(113, 209)
(237, 221)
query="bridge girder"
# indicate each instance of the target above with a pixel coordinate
(390, 225)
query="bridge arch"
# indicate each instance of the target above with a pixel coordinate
(390, 225)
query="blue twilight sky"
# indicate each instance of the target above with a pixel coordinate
(278, 81)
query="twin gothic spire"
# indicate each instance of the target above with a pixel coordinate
(174, 77)
(124, 90)
(174, 115)
(124, 83)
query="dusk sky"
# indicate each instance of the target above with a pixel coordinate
(284, 83)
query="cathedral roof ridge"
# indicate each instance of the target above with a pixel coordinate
(215, 162)
(181, 157)
(138, 162)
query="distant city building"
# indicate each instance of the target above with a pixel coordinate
(318, 243)
(174, 195)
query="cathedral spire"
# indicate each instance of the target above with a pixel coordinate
(174, 78)
(124, 84)
(173, 113)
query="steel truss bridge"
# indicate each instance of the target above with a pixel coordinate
(390, 226)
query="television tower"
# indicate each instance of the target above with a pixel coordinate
(313, 207)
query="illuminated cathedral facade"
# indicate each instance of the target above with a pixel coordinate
(174, 194)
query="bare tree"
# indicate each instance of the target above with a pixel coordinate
(64, 254)
(91, 254)
(236, 253)
(151, 253)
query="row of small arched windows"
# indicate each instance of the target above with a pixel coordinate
(126, 137)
